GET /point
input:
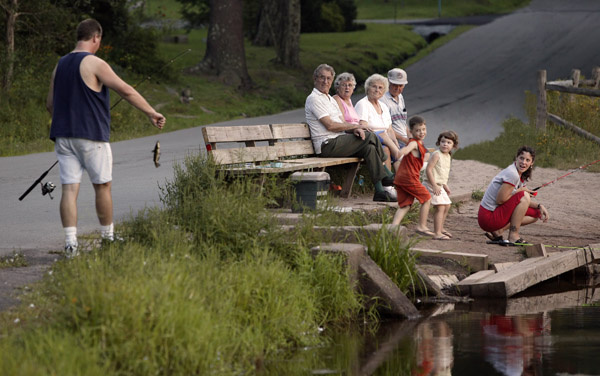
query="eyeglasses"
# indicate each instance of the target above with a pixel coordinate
(347, 85)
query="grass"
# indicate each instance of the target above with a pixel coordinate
(407, 9)
(16, 260)
(477, 194)
(208, 268)
(392, 254)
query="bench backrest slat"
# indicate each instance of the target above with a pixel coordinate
(284, 141)
(298, 130)
(294, 148)
(242, 155)
(240, 133)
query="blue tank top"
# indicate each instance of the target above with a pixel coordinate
(78, 112)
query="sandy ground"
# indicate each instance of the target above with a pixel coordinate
(573, 203)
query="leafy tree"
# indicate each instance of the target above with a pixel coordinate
(328, 15)
(195, 12)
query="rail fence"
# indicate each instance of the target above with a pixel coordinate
(575, 85)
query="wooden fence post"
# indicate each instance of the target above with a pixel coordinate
(596, 77)
(542, 103)
(575, 76)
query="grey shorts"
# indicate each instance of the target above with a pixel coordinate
(78, 154)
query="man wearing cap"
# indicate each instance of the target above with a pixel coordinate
(395, 102)
(333, 137)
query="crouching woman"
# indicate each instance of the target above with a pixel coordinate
(508, 203)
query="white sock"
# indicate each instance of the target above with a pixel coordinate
(108, 232)
(70, 235)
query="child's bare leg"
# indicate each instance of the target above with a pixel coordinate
(397, 165)
(423, 213)
(400, 213)
(446, 210)
(438, 220)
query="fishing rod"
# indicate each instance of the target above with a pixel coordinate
(155, 72)
(567, 174)
(48, 187)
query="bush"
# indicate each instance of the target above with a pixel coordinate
(327, 15)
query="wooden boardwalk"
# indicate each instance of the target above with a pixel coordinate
(517, 277)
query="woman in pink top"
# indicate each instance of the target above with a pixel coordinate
(344, 85)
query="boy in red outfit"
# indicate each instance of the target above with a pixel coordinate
(407, 180)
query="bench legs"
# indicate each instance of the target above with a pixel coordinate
(351, 170)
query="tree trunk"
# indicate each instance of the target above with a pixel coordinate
(225, 52)
(279, 25)
(11, 20)
(288, 46)
(263, 35)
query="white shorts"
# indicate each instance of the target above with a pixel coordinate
(78, 154)
(441, 199)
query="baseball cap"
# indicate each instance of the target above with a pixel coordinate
(397, 76)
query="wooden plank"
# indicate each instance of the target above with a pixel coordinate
(294, 148)
(242, 155)
(474, 261)
(536, 250)
(519, 277)
(595, 249)
(574, 90)
(502, 265)
(475, 277)
(561, 83)
(239, 133)
(297, 130)
(287, 165)
(574, 128)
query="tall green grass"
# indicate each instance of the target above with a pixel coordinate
(206, 285)
(392, 254)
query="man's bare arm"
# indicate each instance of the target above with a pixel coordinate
(108, 77)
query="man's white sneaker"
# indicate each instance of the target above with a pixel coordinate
(71, 250)
(392, 192)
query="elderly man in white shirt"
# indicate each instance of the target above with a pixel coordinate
(332, 137)
(393, 98)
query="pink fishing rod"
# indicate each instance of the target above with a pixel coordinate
(567, 174)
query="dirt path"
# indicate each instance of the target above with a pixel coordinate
(573, 203)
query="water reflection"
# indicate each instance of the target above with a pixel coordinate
(521, 336)
(514, 345)
(435, 354)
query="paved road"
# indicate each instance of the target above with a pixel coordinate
(469, 85)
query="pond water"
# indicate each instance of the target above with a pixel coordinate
(552, 334)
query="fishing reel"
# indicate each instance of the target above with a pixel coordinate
(48, 188)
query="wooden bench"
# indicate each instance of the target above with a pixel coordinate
(272, 149)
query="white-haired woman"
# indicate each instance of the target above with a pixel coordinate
(344, 85)
(376, 115)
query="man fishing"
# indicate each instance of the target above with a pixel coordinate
(79, 103)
